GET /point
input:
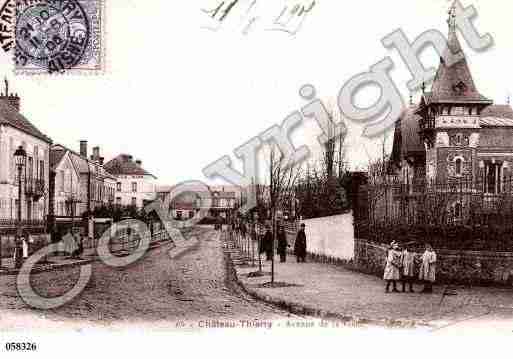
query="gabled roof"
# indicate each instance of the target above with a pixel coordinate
(56, 156)
(81, 164)
(11, 117)
(454, 83)
(124, 165)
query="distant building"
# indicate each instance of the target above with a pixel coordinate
(186, 205)
(134, 185)
(15, 131)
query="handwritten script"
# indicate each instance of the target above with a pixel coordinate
(247, 15)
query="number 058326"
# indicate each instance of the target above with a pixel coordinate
(20, 347)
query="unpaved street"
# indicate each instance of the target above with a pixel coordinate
(156, 291)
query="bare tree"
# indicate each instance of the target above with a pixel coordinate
(283, 177)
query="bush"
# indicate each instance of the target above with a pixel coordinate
(451, 237)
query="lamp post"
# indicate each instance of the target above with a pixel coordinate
(20, 158)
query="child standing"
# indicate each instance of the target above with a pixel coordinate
(392, 268)
(408, 268)
(428, 269)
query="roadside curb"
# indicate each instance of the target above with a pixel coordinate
(301, 309)
(306, 310)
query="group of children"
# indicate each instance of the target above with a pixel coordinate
(401, 265)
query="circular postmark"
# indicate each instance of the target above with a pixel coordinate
(51, 34)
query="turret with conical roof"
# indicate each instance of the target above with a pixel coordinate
(454, 83)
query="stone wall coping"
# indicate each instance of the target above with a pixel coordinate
(449, 252)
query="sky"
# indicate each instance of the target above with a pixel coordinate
(179, 96)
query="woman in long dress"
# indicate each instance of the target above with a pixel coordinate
(427, 272)
(392, 268)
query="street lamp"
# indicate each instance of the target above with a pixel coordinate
(20, 159)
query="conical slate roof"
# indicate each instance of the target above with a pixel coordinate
(454, 82)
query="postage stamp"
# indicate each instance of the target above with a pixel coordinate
(59, 36)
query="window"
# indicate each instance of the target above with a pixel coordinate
(118, 200)
(118, 186)
(191, 214)
(41, 170)
(459, 163)
(134, 186)
(134, 201)
(493, 174)
(457, 210)
(62, 180)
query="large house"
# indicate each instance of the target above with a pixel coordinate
(15, 131)
(79, 185)
(455, 133)
(134, 185)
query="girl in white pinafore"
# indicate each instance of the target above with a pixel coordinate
(408, 268)
(392, 268)
(428, 269)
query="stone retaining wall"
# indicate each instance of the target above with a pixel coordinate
(463, 267)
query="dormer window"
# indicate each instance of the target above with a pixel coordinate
(460, 88)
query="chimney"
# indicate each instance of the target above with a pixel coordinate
(139, 163)
(12, 99)
(83, 148)
(96, 153)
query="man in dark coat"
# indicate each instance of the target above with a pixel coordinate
(300, 244)
(282, 244)
(267, 243)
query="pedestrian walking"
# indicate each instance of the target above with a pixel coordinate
(300, 245)
(282, 244)
(25, 247)
(427, 272)
(393, 267)
(267, 243)
(408, 268)
(18, 252)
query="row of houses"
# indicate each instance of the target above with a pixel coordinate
(224, 199)
(59, 184)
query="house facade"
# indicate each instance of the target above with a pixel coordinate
(79, 185)
(455, 133)
(95, 187)
(15, 131)
(134, 185)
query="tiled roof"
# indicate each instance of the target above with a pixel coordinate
(123, 165)
(495, 122)
(81, 164)
(11, 117)
(500, 111)
(183, 206)
(454, 83)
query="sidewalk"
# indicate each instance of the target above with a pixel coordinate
(58, 262)
(326, 290)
